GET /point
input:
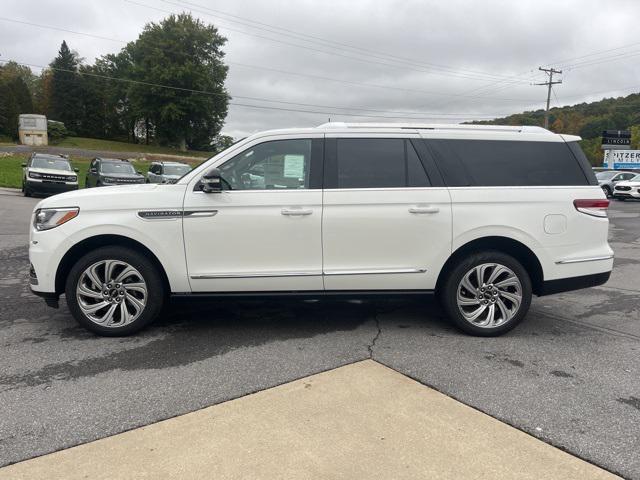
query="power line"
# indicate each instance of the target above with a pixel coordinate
(206, 92)
(325, 42)
(306, 47)
(286, 72)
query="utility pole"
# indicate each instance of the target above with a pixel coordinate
(549, 72)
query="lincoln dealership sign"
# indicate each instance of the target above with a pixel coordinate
(621, 159)
(616, 140)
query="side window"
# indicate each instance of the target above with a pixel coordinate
(378, 163)
(277, 165)
(493, 163)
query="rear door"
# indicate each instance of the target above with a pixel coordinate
(386, 221)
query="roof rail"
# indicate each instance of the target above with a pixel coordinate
(438, 126)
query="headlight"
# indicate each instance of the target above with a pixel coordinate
(35, 175)
(48, 218)
(72, 178)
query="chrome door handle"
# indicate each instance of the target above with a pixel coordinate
(424, 209)
(296, 211)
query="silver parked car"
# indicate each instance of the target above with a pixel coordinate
(166, 172)
(607, 179)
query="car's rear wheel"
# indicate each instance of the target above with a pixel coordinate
(487, 293)
(114, 291)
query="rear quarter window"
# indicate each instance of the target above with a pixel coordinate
(495, 163)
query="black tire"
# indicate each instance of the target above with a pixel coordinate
(26, 191)
(148, 271)
(607, 191)
(449, 292)
(86, 183)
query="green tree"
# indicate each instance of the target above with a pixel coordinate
(15, 97)
(66, 100)
(182, 52)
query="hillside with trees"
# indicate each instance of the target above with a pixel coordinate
(166, 88)
(587, 120)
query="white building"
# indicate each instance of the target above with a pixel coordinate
(32, 129)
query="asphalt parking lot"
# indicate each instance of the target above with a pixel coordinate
(568, 375)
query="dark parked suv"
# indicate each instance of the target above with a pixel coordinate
(48, 174)
(111, 171)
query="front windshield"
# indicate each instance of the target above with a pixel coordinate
(52, 163)
(605, 175)
(635, 179)
(112, 167)
(176, 169)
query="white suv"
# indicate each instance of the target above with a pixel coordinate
(483, 216)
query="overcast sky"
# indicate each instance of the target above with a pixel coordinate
(431, 60)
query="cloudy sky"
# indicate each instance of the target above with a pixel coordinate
(299, 63)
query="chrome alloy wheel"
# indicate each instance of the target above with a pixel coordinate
(111, 293)
(489, 295)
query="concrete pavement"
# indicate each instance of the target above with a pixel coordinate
(361, 421)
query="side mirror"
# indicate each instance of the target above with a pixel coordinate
(24, 165)
(93, 170)
(212, 181)
(76, 170)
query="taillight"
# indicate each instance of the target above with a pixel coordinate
(596, 208)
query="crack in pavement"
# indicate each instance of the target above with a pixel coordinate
(372, 345)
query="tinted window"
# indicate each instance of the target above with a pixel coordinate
(112, 167)
(378, 163)
(280, 164)
(176, 169)
(605, 175)
(507, 163)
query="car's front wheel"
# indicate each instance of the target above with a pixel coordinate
(487, 293)
(607, 190)
(114, 291)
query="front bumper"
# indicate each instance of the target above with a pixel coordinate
(635, 193)
(50, 298)
(46, 186)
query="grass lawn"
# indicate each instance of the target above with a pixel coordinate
(97, 144)
(11, 168)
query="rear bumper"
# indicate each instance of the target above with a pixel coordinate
(550, 287)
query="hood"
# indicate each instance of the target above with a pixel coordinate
(122, 175)
(52, 171)
(119, 197)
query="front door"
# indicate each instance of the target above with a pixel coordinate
(386, 221)
(263, 231)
